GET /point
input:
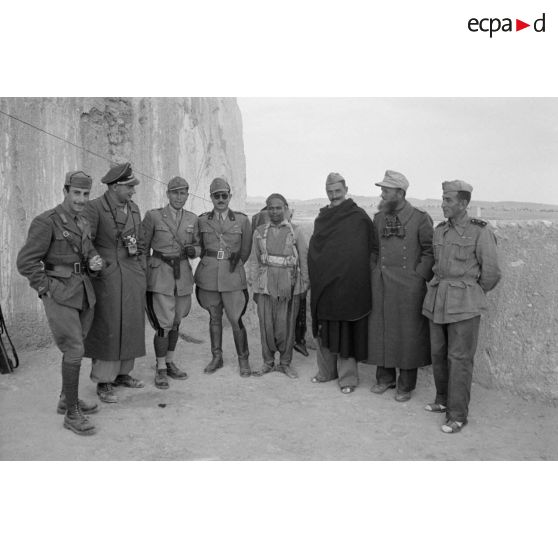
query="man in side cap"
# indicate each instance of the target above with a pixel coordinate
(171, 238)
(58, 258)
(226, 241)
(280, 251)
(340, 294)
(465, 268)
(117, 336)
(402, 262)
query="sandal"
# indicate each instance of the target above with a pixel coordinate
(347, 389)
(161, 380)
(435, 408)
(453, 427)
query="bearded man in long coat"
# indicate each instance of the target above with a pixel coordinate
(340, 295)
(402, 260)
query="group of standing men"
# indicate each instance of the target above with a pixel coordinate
(96, 266)
(418, 303)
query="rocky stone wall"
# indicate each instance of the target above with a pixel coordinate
(197, 138)
(518, 343)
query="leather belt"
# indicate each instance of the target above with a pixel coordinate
(219, 254)
(173, 261)
(76, 267)
(168, 259)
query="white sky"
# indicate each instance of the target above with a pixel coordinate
(507, 148)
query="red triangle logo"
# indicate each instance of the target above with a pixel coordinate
(519, 25)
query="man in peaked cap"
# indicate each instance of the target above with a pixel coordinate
(340, 295)
(117, 336)
(465, 268)
(171, 237)
(58, 259)
(401, 264)
(226, 241)
(281, 278)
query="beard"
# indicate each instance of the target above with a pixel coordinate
(388, 206)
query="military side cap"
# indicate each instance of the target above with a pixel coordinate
(78, 179)
(176, 183)
(219, 185)
(456, 186)
(394, 179)
(334, 178)
(120, 174)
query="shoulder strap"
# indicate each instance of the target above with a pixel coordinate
(57, 220)
(170, 230)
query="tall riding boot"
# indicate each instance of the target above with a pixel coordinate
(241, 343)
(216, 337)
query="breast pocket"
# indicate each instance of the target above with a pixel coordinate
(463, 251)
(61, 246)
(189, 235)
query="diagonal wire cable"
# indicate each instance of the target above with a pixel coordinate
(88, 150)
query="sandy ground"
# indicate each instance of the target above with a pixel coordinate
(226, 417)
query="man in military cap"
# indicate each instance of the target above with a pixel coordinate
(117, 335)
(226, 240)
(340, 294)
(173, 236)
(465, 268)
(280, 253)
(402, 262)
(58, 258)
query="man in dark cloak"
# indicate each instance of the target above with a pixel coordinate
(340, 292)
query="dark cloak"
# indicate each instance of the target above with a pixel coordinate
(339, 264)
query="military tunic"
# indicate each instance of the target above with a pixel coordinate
(55, 260)
(230, 235)
(118, 330)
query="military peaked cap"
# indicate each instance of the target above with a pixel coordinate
(219, 185)
(120, 174)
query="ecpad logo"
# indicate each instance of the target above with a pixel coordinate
(492, 25)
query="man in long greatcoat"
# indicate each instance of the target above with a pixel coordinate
(117, 335)
(340, 295)
(402, 261)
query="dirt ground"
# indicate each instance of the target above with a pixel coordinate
(226, 417)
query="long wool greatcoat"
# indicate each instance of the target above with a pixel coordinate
(398, 333)
(118, 329)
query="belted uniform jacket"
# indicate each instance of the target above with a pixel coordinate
(55, 239)
(164, 234)
(465, 268)
(234, 234)
(118, 330)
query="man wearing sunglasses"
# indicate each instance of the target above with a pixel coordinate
(226, 241)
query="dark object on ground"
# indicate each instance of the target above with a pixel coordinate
(7, 364)
(190, 339)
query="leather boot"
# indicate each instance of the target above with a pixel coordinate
(77, 422)
(87, 408)
(241, 343)
(216, 338)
